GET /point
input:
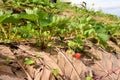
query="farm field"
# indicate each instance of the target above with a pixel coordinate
(40, 40)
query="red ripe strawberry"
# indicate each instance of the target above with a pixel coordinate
(77, 55)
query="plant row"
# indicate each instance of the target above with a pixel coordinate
(40, 20)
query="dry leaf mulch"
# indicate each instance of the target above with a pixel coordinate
(107, 68)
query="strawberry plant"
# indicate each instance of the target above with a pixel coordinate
(88, 28)
(36, 19)
(34, 23)
(55, 72)
(76, 44)
(29, 61)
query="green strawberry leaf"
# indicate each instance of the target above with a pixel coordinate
(3, 17)
(103, 37)
(55, 72)
(29, 61)
(71, 43)
(89, 78)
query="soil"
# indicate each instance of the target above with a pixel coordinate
(12, 65)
